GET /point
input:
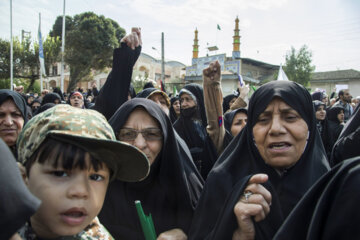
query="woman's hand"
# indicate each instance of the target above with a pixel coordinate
(133, 40)
(212, 73)
(173, 234)
(255, 202)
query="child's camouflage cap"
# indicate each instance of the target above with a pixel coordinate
(89, 130)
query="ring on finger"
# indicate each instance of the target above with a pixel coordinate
(247, 195)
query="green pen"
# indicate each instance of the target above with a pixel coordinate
(147, 224)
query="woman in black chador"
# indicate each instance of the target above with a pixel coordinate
(172, 189)
(191, 126)
(265, 170)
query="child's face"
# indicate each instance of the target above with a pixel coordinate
(70, 199)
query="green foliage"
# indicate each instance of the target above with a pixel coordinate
(90, 41)
(298, 66)
(26, 60)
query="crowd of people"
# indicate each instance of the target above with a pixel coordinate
(280, 164)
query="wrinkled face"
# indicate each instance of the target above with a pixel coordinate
(320, 113)
(11, 122)
(186, 101)
(176, 106)
(76, 101)
(232, 101)
(340, 116)
(141, 120)
(280, 135)
(161, 101)
(238, 123)
(70, 200)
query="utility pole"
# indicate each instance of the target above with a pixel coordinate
(162, 61)
(62, 50)
(11, 50)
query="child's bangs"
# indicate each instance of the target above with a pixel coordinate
(63, 155)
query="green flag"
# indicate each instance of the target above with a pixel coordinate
(218, 27)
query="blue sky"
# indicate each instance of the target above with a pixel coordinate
(268, 28)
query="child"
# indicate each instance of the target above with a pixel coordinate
(70, 155)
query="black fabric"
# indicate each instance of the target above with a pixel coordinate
(115, 90)
(226, 101)
(169, 193)
(173, 116)
(335, 127)
(17, 204)
(191, 126)
(50, 98)
(347, 145)
(317, 96)
(58, 91)
(19, 101)
(323, 127)
(329, 209)
(148, 85)
(45, 107)
(214, 217)
(229, 117)
(146, 92)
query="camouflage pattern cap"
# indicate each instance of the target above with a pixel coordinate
(86, 129)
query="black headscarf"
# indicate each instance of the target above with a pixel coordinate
(323, 127)
(329, 208)
(169, 193)
(50, 98)
(335, 127)
(347, 145)
(17, 204)
(132, 91)
(19, 101)
(173, 115)
(191, 126)
(214, 217)
(229, 117)
(226, 101)
(58, 91)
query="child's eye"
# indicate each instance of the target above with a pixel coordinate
(59, 174)
(96, 177)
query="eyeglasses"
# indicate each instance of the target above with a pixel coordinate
(150, 134)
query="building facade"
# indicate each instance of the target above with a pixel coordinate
(332, 81)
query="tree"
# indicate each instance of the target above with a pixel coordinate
(298, 66)
(90, 41)
(26, 60)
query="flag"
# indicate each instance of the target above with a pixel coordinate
(253, 88)
(241, 80)
(218, 27)
(175, 91)
(41, 53)
(282, 76)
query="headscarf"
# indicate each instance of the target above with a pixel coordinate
(147, 92)
(214, 217)
(226, 101)
(347, 145)
(17, 204)
(173, 115)
(329, 209)
(169, 193)
(191, 126)
(50, 98)
(132, 91)
(335, 127)
(19, 101)
(323, 127)
(229, 117)
(317, 96)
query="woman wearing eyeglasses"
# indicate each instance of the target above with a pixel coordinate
(171, 190)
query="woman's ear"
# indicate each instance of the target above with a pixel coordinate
(23, 173)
